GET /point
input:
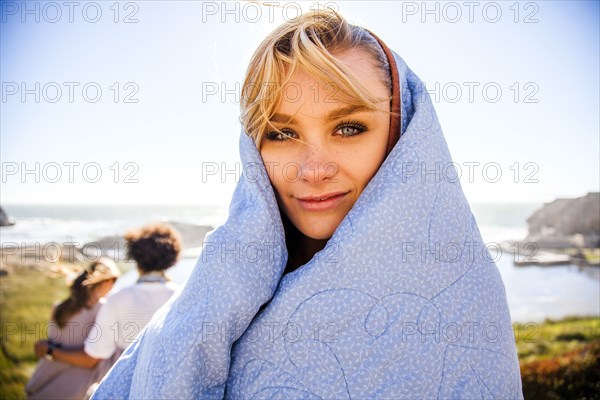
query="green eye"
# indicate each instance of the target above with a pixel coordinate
(349, 131)
(350, 128)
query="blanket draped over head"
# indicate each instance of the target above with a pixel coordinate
(404, 301)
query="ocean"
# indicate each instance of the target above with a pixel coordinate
(85, 223)
(533, 293)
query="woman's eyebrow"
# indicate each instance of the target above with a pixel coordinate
(332, 115)
(345, 111)
(283, 119)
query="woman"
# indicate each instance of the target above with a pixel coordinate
(345, 269)
(72, 319)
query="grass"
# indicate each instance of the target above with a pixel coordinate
(592, 255)
(559, 359)
(571, 375)
(541, 341)
(26, 298)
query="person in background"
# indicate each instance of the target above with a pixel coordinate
(154, 248)
(71, 320)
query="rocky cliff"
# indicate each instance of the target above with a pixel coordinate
(5, 220)
(567, 223)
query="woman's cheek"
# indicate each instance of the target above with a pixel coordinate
(276, 176)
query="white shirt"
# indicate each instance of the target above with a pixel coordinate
(124, 315)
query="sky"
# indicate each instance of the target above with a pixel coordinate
(138, 102)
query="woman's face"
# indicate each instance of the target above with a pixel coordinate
(329, 150)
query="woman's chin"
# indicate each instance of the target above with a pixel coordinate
(319, 229)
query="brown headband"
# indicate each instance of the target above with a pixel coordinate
(395, 116)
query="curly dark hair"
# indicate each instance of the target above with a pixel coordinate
(153, 247)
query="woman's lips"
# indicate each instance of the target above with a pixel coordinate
(323, 202)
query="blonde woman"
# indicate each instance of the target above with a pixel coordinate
(71, 321)
(345, 270)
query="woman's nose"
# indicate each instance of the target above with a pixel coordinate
(317, 164)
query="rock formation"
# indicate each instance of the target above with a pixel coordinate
(5, 220)
(567, 223)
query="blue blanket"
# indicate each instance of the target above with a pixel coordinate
(405, 301)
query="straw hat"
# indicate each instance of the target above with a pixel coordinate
(101, 270)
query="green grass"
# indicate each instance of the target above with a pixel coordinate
(541, 341)
(592, 255)
(560, 359)
(26, 298)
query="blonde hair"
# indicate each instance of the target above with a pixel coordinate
(308, 41)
